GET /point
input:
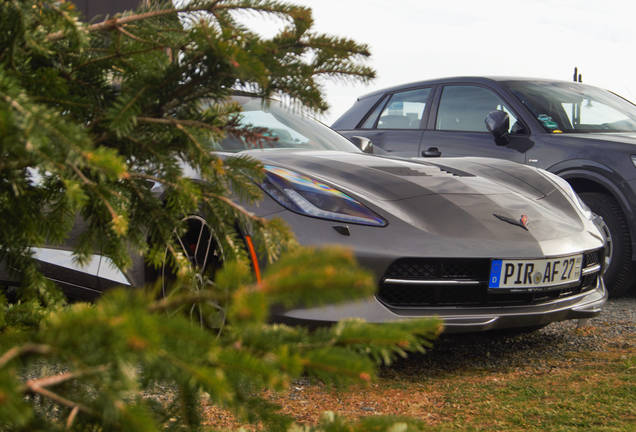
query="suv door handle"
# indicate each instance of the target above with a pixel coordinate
(431, 152)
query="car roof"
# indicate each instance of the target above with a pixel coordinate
(474, 79)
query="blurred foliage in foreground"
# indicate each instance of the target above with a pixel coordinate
(129, 362)
(90, 116)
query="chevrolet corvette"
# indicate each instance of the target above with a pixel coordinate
(482, 243)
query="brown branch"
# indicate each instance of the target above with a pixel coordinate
(60, 399)
(118, 54)
(117, 22)
(191, 137)
(334, 72)
(71, 418)
(38, 386)
(212, 195)
(28, 348)
(176, 122)
(168, 303)
(121, 21)
(61, 378)
(133, 37)
(236, 207)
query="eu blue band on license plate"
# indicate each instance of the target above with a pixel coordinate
(495, 272)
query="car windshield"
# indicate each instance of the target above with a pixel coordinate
(283, 129)
(574, 107)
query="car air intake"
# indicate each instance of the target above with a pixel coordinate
(424, 282)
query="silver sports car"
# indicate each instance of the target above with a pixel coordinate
(482, 243)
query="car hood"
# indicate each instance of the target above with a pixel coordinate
(391, 179)
(454, 196)
(613, 137)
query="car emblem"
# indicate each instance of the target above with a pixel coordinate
(522, 222)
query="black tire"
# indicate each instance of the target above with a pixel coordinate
(200, 246)
(619, 275)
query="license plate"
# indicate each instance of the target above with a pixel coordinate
(538, 273)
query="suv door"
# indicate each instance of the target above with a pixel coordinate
(395, 124)
(458, 127)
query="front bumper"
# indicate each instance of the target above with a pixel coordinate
(460, 319)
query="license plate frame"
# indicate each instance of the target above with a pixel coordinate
(535, 274)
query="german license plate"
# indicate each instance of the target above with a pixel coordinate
(539, 273)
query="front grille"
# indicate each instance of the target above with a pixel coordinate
(417, 268)
(593, 258)
(469, 284)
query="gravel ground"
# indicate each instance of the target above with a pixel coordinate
(615, 326)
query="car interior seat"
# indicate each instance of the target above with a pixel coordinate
(394, 122)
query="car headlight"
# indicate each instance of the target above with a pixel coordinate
(567, 189)
(310, 197)
(634, 160)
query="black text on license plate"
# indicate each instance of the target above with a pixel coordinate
(534, 273)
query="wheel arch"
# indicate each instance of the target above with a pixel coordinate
(583, 180)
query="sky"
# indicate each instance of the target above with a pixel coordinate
(414, 40)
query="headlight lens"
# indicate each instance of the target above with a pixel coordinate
(634, 160)
(567, 189)
(310, 197)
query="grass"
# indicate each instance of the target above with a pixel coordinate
(532, 391)
(596, 393)
(588, 391)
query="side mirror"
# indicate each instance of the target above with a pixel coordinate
(363, 143)
(498, 124)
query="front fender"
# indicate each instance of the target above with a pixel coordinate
(608, 179)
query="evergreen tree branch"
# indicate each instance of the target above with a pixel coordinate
(116, 55)
(122, 30)
(71, 417)
(64, 377)
(95, 143)
(190, 137)
(182, 122)
(120, 21)
(28, 348)
(172, 303)
(59, 399)
(239, 208)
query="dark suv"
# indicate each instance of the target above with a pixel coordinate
(584, 134)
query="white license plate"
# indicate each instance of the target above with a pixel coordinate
(538, 273)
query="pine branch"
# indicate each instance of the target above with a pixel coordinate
(118, 54)
(121, 21)
(172, 303)
(71, 417)
(239, 208)
(28, 348)
(64, 377)
(122, 30)
(177, 122)
(98, 111)
(59, 399)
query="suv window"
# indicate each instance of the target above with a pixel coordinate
(574, 107)
(404, 110)
(370, 121)
(464, 108)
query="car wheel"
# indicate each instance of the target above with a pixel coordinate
(200, 247)
(619, 273)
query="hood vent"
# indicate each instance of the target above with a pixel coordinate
(421, 171)
(455, 172)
